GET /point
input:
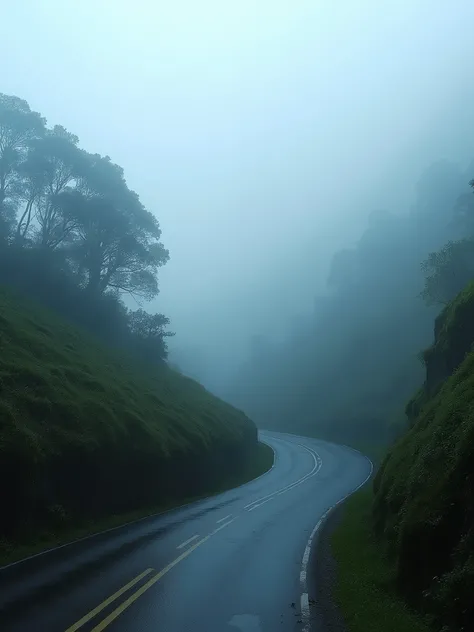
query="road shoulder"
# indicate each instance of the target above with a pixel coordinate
(353, 582)
(325, 614)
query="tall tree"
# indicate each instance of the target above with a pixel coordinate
(116, 240)
(79, 228)
(53, 165)
(19, 125)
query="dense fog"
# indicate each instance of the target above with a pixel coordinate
(303, 159)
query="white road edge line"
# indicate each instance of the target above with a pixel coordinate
(186, 542)
(304, 603)
(304, 599)
(222, 519)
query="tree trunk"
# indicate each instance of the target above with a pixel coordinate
(25, 220)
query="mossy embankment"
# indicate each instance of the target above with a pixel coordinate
(364, 589)
(87, 435)
(424, 489)
(405, 548)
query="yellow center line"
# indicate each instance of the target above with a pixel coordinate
(128, 602)
(108, 601)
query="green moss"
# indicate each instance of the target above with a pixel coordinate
(365, 578)
(415, 405)
(424, 489)
(454, 336)
(50, 371)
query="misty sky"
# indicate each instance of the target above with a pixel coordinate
(261, 132)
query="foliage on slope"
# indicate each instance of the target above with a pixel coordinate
(84, 433)
(454, 335)
(424, 505)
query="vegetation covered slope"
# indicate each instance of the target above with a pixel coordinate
(424, 504)
(93, 423)
(85, 433)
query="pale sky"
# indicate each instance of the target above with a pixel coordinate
(261, 133)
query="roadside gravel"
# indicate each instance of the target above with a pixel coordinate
(325, 615)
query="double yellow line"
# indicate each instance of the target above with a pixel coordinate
(133, 597)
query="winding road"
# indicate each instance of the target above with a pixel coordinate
(233, 562)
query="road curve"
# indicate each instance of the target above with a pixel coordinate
(229, 563)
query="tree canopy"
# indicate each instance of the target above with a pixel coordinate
(72, 213)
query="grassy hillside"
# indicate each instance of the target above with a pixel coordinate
(424, 504)
(85, 433)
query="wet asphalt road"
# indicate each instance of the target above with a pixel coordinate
(226, 564)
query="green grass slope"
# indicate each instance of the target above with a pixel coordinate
(85, 433)
(364, 583)
(424, 503)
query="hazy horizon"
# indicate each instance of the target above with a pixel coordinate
(260, 134)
